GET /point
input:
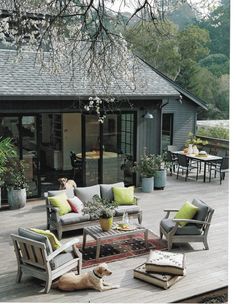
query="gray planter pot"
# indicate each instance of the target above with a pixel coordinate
(147, 184)
(16, 198)
(160, 179)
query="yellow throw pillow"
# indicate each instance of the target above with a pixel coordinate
(60, 201)
(187, 211)
(52, 238)
(123, 195)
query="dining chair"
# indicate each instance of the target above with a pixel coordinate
(173, 160)
(222, 167)
(77, 165)
(171, 148)
(184, 164)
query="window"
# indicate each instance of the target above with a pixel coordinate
(167, 130)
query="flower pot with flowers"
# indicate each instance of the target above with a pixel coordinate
(146, 168)
(15, 182)
(101, 209)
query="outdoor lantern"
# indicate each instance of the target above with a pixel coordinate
(148, 115)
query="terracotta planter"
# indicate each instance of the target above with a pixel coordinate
(16, 198)
(106, 223)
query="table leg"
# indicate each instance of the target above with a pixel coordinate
(204, 176)
(84, 238)
(146, 238)
(98, 249)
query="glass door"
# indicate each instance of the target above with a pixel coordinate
(91, 150)
(29, 152)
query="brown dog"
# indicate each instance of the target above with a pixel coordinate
(92, 279)
(66, 183)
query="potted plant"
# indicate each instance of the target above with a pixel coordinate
(161, 164)
(146, 168)
(15, 182)
(101, 209)
(7, 149)
(192, 142)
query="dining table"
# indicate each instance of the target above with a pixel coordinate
(203, 158)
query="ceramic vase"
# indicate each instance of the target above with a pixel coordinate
(190, 149)
(195, 150)
(106, 223)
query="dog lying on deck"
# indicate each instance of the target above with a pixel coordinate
(66, 183)
(92, 279)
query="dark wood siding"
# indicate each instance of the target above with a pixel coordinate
(184, 120)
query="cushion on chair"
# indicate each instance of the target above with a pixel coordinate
(61, 259)
(202, 210)
(189, 229)
(187, 211)
(123, 195)
(76, 204)
(107, 192)
(126, 208)
(85, 194)
(36, 237)
(68, 192)
(73, 218)
(55, 243)
(60, 201)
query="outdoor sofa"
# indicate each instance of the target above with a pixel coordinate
(73, 220)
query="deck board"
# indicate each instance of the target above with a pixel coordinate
(206, 269)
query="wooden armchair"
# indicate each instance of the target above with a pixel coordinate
(196, 229)
(36, 258)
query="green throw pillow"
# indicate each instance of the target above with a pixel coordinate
(52, 238)
(187, 211)
(123, 196)
(60, 201)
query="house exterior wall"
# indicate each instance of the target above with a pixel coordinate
(184, 120)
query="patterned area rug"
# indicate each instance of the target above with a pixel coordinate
(120, 248)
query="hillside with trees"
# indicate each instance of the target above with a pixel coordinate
(192, 51)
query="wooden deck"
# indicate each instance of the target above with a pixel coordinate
(206, 269)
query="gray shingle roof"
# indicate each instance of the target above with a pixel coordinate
(24, 78)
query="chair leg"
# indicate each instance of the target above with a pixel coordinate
(140, 218)
(177, 173)
(19, 275)
(169, 244)
(59, 233)
(186, 176)
(206, 244)
(48, 285)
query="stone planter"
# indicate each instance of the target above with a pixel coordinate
(16, 198)
(106, 223)
(147, 184)
(160, 179)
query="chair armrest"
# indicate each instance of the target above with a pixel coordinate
(168, 211)
(136, 199)
(55, 209)
(62, 248)
(190, 221)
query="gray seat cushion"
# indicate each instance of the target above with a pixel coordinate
(107, 192)
(61, 259)
(202, 210)
(36, 237)
(130, 209)
(69, 192)
(189, 229)
(85, 194)
(73, 218)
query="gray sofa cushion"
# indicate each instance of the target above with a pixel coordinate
(69, 192)
(85, 194)
(107, 192)
(73, 218)
(202, 210)
(61, 259)
(126, 208)
(189, 229)
(36, 237)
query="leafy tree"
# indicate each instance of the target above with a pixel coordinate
(218, 64)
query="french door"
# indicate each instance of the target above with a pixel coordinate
(107, 146)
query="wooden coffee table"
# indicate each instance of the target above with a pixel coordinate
(99, 235)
